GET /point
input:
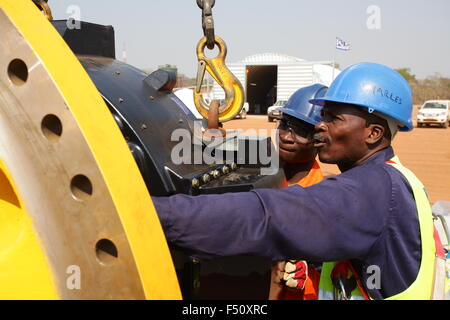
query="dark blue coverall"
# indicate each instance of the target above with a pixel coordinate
(367, 214)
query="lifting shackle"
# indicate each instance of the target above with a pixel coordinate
(234, 93)
(44, 7)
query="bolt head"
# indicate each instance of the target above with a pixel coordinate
(206, 178)
(195, 183)
(216, 174)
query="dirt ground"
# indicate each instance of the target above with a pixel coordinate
(425, 151)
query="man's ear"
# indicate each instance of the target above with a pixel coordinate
(376, 133)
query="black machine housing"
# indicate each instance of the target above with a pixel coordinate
(148, 113)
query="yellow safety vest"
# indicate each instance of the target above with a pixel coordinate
(422, 287)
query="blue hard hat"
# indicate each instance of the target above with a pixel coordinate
(375, 87)
(298, 105)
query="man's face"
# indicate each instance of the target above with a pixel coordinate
(341, 136)
(295, 145)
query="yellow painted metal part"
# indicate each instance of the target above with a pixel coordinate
(234, 93)
(110, 151)
(22, 261)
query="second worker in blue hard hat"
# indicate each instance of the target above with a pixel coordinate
(298, 160)
(295, 132)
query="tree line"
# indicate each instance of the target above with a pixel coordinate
(433, 87)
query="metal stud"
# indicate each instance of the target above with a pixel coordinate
(206, 178)
(216, 174)
(195, 183)
(225, 169)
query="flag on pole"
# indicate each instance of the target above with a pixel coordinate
(342, 45)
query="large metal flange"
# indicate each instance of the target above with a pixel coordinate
(76, 220)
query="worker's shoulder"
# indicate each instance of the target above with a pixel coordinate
(397, 178)
(373, 177)
(382, 175)
(370, 173)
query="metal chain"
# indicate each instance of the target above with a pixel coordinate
(207, 21)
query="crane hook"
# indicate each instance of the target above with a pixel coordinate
(234, 93)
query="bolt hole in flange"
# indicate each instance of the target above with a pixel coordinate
(81, 187)
(106, 251)
(18, 72)
(51, 127)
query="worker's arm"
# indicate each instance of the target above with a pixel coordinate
(341, 217)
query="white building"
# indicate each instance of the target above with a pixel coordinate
(269, 77)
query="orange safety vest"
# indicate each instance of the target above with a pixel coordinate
(314, 176)
(311, 290)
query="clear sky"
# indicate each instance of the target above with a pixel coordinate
(398, 33)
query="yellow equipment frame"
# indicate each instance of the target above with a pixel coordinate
(46, 224)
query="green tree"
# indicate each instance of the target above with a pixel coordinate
(430, 88)
(406, 73)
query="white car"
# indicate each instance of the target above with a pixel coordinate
(273, 112)
(434, 112)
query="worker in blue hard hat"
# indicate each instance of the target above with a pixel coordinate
(298, 160)
(295, 132)
(371, 225)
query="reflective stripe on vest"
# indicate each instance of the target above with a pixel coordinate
(422, 287)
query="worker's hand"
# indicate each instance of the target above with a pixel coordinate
(214, 129)
(295, 274)
(280, 272)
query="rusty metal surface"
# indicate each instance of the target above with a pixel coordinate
(70, 220)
